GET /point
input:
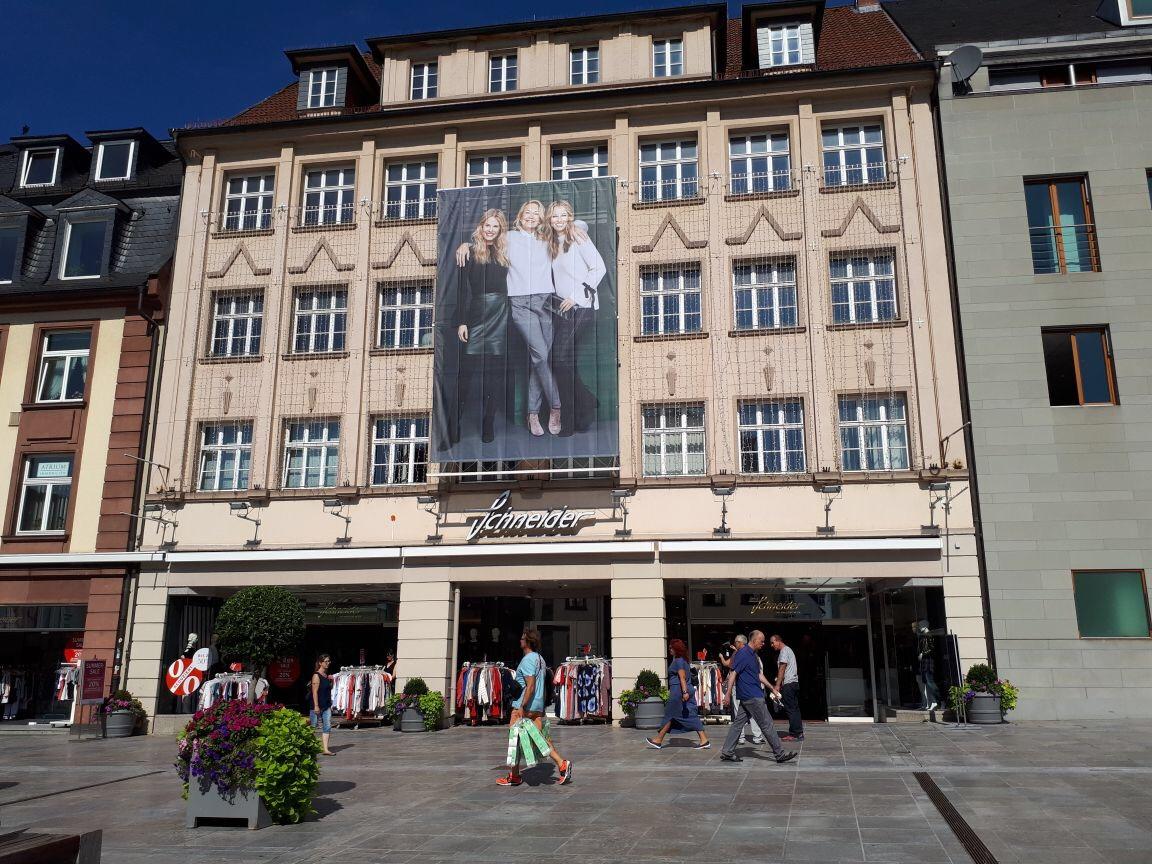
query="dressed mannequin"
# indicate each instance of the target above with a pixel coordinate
(925, 652)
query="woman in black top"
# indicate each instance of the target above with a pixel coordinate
(390, 664)
(482, 317)
(320, 713)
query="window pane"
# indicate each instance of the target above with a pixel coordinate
(33, 512)
(85, 253)
(1061, 368)
(52, 384)
(1093, 367)
(1112, 603)
(41, 168)
(114, 159)
(8, 243)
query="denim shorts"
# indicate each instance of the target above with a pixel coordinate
(323, 720)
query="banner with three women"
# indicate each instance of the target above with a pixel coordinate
(525, 345)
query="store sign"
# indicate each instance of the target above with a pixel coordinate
(502, 521)
(72, 649)
(42, 617)
(92, 674)
(284, 672)
(49, 470)
(183, 677)
(350, 613)
(785, 607)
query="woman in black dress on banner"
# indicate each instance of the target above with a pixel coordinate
(482, 319)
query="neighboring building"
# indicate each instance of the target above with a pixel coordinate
(1047, 157)
(86, 240)
(785, 330)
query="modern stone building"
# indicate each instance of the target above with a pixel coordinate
(1047, 152)
(786, 358)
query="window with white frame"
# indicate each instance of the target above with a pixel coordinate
(405, 319)
(329, 196)
(248, 202)
(410, 190)
(669, 170)
(488, 471)
(311, 453)
(854, 155)
(667, 57)
(759, 163)
(673, 440)
(115, 160)
(237, 323)
(502, 73)
(321, 320)
(863, 288)
(772, 437)
(764, 294)
(787, 44)
(45, 490)
(583, 467)
(670, 300)
(399, 450)
(63, 366)
(84, 248)
(498, 169)
(425, 80)
(584, 65)
(225, 456)
(39, 166)
(873, 433)
(322, 87)
(576, 163)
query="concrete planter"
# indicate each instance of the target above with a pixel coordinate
(650, 713)
(985, 709)
(119, 724)
(246, 806)
(412, 721)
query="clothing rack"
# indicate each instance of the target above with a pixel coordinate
(233, 685)
(583, 690)
(482, 693)
(359, 694)
(710, 680)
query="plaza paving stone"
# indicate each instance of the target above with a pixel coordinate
(1034, 792)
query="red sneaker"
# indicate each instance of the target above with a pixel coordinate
(509, 780)
(566, 772)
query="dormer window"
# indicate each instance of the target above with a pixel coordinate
(115, 160)
(84, 248)
(9, 253)
(39, 167)
(784, 44)
(322, 87)
(667, 58)
(425, 80)
(502, 73)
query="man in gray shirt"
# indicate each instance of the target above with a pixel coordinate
(788, 688)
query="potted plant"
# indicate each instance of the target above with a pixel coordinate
(645, 702)
(983, 697)
(122, 713)
(259, 624)
(417, 709)
(253, 762)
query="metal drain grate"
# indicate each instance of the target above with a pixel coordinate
(973, 845)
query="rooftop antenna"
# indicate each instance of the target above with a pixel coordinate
(965, 61)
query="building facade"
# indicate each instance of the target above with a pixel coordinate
(788, 413)
(1047, 158)
(86, 240)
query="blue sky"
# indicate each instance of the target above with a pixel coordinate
(71, 66)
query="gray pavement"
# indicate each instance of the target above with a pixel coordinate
(1033, 792)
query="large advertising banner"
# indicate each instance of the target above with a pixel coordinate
(525, 363)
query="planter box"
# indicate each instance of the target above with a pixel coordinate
(649, 713)
(212, 805)
(412, 721)
(985, 709)
(119, 724)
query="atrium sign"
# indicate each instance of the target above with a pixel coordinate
(502, 521)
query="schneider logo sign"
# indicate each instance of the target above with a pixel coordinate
(502, 521)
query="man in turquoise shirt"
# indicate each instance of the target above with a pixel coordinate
(529, 707)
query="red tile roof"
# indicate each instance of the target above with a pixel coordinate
(848, 39)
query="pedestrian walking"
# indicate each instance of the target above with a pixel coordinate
(788, 688)
(733, 700)
(681, 713)
(320, 696)
(749, 686)
(526, 729)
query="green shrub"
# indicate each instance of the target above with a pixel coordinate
(981, 677)
(286, 765)
(122, 700)
(432, 707)
(258, 624)
(647, 680)
(415, 687)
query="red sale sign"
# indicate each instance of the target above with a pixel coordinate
(284, 672)
(182, 677)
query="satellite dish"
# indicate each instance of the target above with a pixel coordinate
(965, 61)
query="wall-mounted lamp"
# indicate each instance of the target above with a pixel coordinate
(335, 507)
(430, 503)
(153, 512)
(620, 500)
(831, 493)
(723, 493)
(240, 510)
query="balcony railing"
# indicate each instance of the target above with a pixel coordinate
(1065, 249)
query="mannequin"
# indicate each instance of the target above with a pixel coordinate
(925, 645)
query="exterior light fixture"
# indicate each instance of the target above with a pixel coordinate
(830, 492)
(429, 503)
(240, 510)
(620, 499)
(153, 512)
(335, 507)
(723, 493)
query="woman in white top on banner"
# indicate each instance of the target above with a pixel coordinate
(577, 270)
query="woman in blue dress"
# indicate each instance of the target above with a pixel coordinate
(681, 713)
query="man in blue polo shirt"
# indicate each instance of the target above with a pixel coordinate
(750, 691)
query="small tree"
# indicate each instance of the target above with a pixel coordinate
(415, 687)
(258, 624)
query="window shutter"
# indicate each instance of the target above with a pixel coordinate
(341, 86)
(807, 43)
(302, 90)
